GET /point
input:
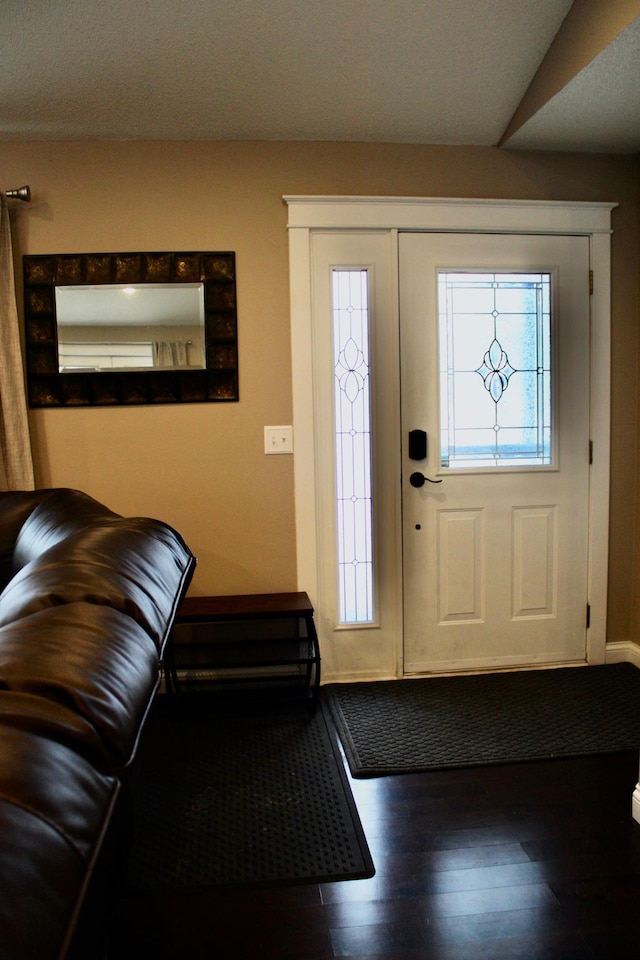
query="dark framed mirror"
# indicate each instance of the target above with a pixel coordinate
(103, 329)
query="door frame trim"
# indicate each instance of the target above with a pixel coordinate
(307, 214)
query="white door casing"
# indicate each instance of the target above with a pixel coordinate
(495, 557)
(309, 217)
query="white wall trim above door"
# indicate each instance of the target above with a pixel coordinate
(459, 214)
(308, 215)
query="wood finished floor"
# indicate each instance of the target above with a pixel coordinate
(528, 862)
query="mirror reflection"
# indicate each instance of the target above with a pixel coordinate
(130, 326)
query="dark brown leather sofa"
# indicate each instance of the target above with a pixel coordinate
(87, 602)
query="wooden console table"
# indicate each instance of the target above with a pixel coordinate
(254, 643)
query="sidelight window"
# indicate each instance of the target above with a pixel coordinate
(352, 410)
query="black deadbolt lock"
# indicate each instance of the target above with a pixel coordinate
(417, 445)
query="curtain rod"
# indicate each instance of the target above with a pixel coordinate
(19, 193)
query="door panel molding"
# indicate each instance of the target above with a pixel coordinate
(535, 562)
(308, 215)
(461, 565)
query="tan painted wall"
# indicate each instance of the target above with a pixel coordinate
(202, 467)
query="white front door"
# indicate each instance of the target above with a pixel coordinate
(495, 372)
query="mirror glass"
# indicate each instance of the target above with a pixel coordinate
(130, 326)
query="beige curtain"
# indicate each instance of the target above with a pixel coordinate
(170, 353)
(16, 464)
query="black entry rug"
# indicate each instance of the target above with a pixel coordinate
(227, 798)
(399, 726)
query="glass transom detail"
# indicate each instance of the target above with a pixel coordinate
(352, 407)
(495, 369)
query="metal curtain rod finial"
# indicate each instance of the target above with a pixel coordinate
(20, 193)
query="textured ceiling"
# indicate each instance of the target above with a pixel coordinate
(599, 110)
(412, 71)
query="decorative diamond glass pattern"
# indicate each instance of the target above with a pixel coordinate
(352, 398)
(495, 369)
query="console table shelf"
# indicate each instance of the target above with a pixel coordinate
(249, 642)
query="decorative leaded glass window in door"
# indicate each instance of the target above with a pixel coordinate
(496, 392)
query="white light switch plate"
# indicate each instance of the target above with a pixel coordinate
(278, 439)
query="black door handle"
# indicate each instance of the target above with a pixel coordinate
(418, 480)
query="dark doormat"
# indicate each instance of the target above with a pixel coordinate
(398, 726)
(230, 797)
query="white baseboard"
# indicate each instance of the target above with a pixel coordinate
(622, 652)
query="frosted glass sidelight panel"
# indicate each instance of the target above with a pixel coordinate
(495, 369)
(352, 398)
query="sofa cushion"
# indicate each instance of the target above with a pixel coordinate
(56, 514)
(136, 566)
(54, 808)
(52, 719)
(91, 659)
(15, 507)
(57, 785)
(42, 881)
